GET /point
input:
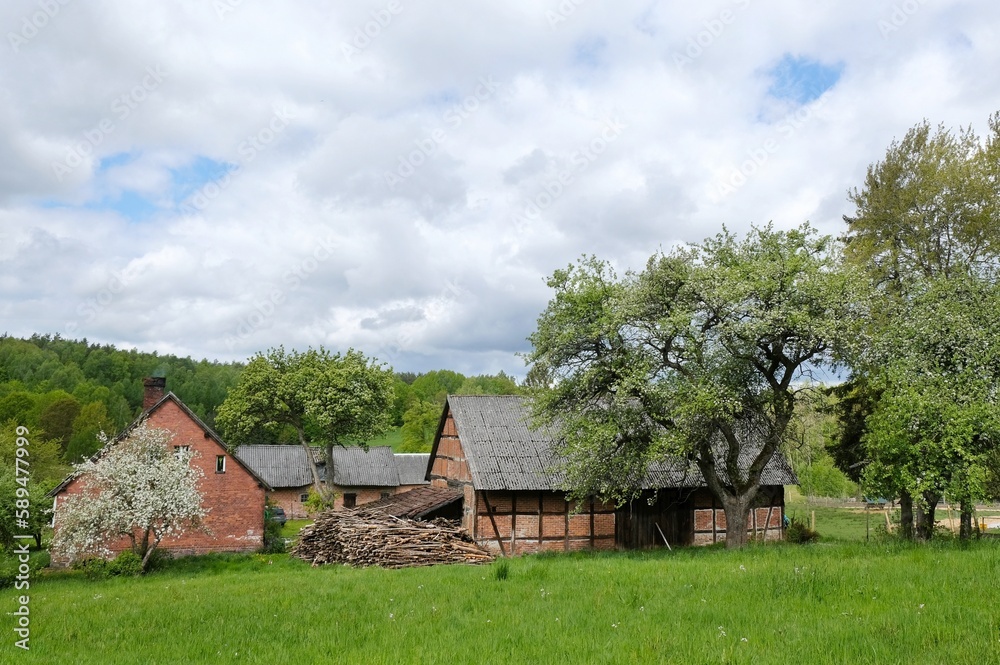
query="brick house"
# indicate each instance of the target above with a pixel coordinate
(512, 504)
(359, 476)
(232, 492)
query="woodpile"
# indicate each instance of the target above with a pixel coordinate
(372, 538)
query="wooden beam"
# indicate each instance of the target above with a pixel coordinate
(541, 518)
(496, 531)
(513, 523)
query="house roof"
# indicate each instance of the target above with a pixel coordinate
(412, 468)
(169, 397)
(505, 453)
(417, 502)
(279, 465)
(356, 467)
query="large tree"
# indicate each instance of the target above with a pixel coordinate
(928, 211)
(137, 488)
(327, 399)
(937, 420)
(700, 355)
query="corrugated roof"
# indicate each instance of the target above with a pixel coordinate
(412, 468)
(278, 465)
(504, 453)
(355, 467)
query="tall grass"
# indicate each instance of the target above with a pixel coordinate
(823, 603)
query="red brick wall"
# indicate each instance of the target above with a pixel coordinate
(524, 522)
(449, 460)
(765, 522)
(288, 498)
(234, 499)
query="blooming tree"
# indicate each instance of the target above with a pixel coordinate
(138, 489)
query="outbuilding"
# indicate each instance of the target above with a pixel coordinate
(513, 501)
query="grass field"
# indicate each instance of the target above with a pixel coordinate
(830, 602)
(394, 439)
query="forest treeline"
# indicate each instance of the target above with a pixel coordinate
(69, 391)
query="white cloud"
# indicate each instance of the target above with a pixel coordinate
(491, 121)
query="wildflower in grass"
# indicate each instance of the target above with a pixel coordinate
(722, 631)
(743, 639)
(743, 568)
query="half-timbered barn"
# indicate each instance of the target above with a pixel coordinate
(513, 503)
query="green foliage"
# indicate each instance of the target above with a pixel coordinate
(702, 346)
(126, 564)
(60, 386)
(799, 532)
(45, 471)
(274, 543)
(328, 399)
(936, 367)
(316, 503)
(419, 427)
(822, 478)
(500, 569)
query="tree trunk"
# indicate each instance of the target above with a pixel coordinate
(965, 528)
(905, 515)
(312, 463)
(925, 516)
(737, 519)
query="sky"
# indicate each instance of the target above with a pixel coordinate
(214, 178)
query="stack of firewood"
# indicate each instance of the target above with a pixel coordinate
(373, 538)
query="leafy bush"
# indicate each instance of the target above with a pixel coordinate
(126, 564)
(274, 543)
(799, 532)
(315, 503)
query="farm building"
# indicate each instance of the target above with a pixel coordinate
(231, 491)
(359, 476)
(512, 503)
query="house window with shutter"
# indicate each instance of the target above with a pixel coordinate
(220, 464)
(304, 497)
(350, 500)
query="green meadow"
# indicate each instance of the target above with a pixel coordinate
(833, 601)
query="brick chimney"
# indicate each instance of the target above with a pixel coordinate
(154, 386)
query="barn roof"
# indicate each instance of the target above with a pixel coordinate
(412, 468)
(505, 453)
(279, 465)
(356, 467)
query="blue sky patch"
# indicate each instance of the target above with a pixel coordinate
(589, 52)
(801, 80)
(130, 205)
(193, 176)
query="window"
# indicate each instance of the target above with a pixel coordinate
(386, 495)
(181, 449)
(304, 497)
(220, 464)
(350, 500)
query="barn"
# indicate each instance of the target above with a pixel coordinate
(512, 502)
(232, 492)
